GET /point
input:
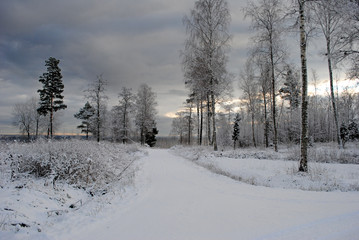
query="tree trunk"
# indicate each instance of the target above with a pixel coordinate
(51, 116)
(214, 138)
(37, 128)
(124, 137)
(189, 125)
(303, 166)
(201, 127)
(98, 119)
(335, 112)
(142, 135)
(253, 134)
(265, 120)
(274, 111)
(208, 121)
(198, 123)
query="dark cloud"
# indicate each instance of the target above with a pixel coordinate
(176, 92)
(129, 42)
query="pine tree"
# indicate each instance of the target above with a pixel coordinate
(51, 99)
(291, 92)
(150, 137)
(349, 132)
(353, 130)
(236, 130)
(344, 134)
(85, 114)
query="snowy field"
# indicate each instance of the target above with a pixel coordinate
(166, 196)
(265, 167)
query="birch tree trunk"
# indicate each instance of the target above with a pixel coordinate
(214, 136)
(274, 110)
(335, 111)
(303, 165)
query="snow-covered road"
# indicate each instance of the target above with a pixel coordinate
(177, 199)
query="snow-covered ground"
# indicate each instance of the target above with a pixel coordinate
(173, 198)
(271, 169)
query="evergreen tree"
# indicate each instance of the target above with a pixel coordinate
(150, 137)
(353, 131)
(291, 91)
(344, 134)
(349, 132)
(236, 130)
(85, 115)
(51, 99)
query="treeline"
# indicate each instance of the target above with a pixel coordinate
(275, 106)
(254, 130)
(132, 119)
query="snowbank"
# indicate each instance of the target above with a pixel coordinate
(271, 169)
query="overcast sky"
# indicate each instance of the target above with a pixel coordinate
(129, 42)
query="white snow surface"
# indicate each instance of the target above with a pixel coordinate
(271, 169)
(173, 198)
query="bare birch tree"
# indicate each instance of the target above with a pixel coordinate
(267, 18)
(251, 94)
(205, 50)
(349, 10)
(331, 22)
(26, 117)
(23, 118)
(96, 94)
(126, 104)
(145, 108)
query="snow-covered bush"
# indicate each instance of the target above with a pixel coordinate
(44, 182)
(86, 164)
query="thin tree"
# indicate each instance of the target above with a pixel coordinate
(179, 126)
(126, 103)
(251, 95)
(37, 117)
(264, 81)
(315, 114)
(96, 94)
(51, 99)
(23, 118)
(331, 23)
(349, 40)
(205, 49)
(267, 18)
(145, 108)
(189, 106)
